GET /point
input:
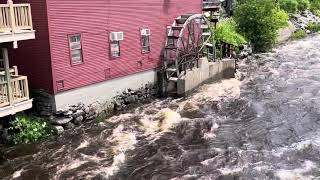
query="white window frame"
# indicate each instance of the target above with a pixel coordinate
(75, 46)
(113, 54)
(115, 38)
(143, 34)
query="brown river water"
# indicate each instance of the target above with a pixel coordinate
(264, 127)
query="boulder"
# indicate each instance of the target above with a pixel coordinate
(87, 110)
(190, 110)
(58, 129)
(60, 120)
(78, 120)
(69, 125)
(68, 113)
(285, 33)
(77, 113)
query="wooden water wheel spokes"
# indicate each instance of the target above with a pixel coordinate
(185, 43)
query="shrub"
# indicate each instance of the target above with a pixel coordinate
(303, 5)
(299, 34)
(281, 18)
(290, 6)
(28, 129)
(316, 12)
(315, 6)
(259, 21)
(226, 32)
(313, 27)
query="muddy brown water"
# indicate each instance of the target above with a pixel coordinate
(264, 127)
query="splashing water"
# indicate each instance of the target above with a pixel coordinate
(264, 127)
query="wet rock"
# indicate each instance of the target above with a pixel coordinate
(132, 99)
(60, 120)
(68, 113)
(69, 125)
(300, 21)
(6, 137)
(77, 113)
(86, 110)
(191, 111)
(78, 120)
(58, 129)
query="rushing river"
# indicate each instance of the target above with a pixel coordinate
(266, 126)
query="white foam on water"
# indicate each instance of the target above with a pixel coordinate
(17, 174)
(83, 144)
(299, 173)
(227, 87)
(211, 134)
(229, 171)
(73, 164)
(124, 141)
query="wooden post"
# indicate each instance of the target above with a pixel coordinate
(7, 74)
(15, 69)
(30, 17)
(12, 18)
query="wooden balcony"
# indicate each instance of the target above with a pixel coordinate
(15, 23)
(14, 90)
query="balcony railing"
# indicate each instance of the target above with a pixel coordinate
(19, 90)
(14, 91)
(15, 23)
(15, 17)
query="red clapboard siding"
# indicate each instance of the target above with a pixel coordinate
(94, 19)
(33, 56)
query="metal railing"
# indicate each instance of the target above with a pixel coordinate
(15, 17)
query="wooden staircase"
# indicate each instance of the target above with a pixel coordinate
(212, 7)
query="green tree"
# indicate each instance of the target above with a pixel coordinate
(226, 32)
(291, 6)
(303, 5)
(259, 21)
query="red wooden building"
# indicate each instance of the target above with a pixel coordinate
(86, 51)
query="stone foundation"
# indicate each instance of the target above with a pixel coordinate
(43, 102)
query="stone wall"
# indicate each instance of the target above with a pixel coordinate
(75, 115)
(43, 102)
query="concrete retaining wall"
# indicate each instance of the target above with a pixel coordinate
(104, 91)
(207, 71)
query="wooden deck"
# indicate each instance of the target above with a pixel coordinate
(14, 90)
(15, 22)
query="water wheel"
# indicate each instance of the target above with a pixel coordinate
(187, 38)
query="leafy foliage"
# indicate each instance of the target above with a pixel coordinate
(282, 18)
(303, 4)
(313, 27)
(299, 34)
(28, 129)
(259, 21)
(290, 6)
(226, 32)
(315, 6)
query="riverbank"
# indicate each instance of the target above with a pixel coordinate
(264, 126)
